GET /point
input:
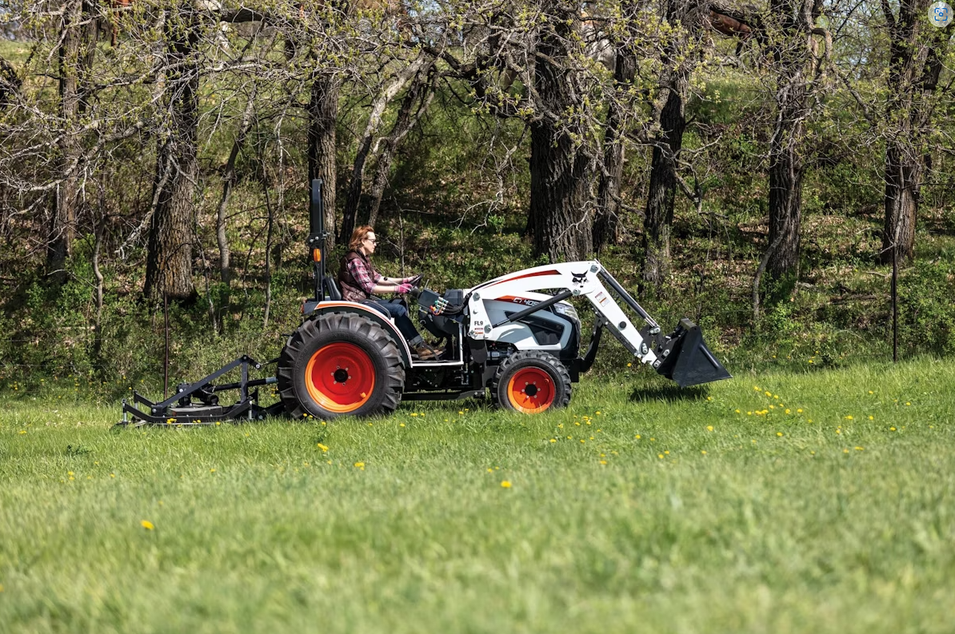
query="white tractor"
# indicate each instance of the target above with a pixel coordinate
(515, 335)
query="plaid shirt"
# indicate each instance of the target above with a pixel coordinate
(364, 274)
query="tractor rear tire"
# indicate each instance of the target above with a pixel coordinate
(531, 382)
(340, 364)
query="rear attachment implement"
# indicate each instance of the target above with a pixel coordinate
(198, 403)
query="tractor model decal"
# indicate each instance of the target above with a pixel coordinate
(518, 300)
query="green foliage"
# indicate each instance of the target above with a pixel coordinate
(926, 309)
(458, 257)
(50, 332)
(456, 158)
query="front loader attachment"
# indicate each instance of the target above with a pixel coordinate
(686, 359)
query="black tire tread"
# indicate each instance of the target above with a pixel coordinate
(350, 326)
(539, 359)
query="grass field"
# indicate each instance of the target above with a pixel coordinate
(818, 501)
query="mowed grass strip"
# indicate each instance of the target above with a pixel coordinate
(783, 502)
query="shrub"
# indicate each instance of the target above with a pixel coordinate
(926, 310)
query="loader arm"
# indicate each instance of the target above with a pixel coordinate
(681, 356)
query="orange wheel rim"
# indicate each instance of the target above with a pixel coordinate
(340, 377)
(531, 390)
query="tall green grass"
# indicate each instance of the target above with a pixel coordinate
(817, 501)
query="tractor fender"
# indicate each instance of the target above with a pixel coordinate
(369, 313)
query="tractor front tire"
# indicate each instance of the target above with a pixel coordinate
(340, 364)
(531, 382)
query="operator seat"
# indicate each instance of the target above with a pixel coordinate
(331, 287)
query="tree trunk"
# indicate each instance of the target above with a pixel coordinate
(9, 83)
(559, 196)
(63, 224)
(794, 61)
(658, 221)
(915, 65)
(98, 297)
(785, 179)
(322, 117)
(169, 256)
(560, 169)
(661, 195)
(607, 223)
(903, 183)
(228, 182)
(415, 103)
(368, 148)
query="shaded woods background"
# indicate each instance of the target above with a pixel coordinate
(752, 166)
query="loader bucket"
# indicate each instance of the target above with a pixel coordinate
(686, 359)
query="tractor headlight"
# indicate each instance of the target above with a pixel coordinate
(568, 311)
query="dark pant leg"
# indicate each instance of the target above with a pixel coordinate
(398, 311)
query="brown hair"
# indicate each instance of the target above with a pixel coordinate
(358, 236)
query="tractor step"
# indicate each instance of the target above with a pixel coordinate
(447, 395)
